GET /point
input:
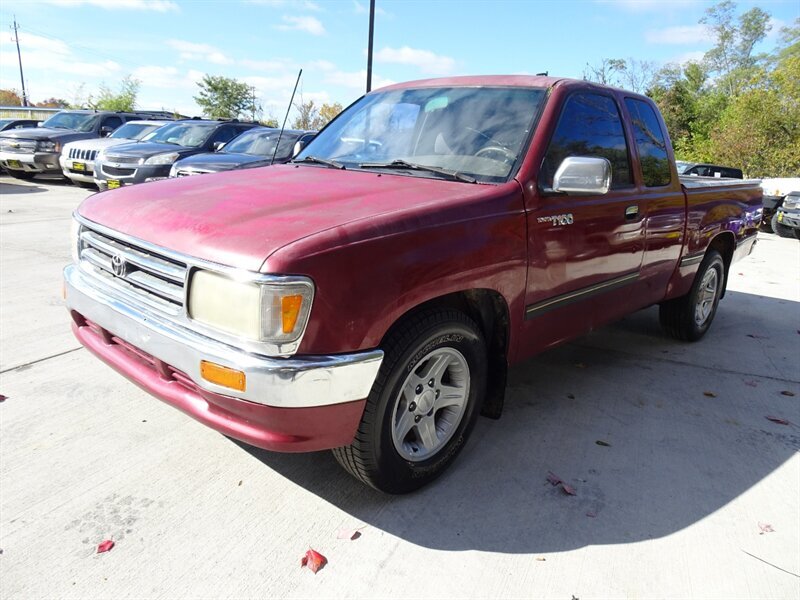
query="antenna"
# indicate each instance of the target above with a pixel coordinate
(288, 108)
(19, 57)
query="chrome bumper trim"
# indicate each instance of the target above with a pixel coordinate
(297, 382)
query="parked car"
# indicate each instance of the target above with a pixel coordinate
(77, 158)
(706, 170)
(788, 216)
(152, 160)
(6, 124)
(775, 190)
(28, 152)
(253, 146)
(370, 295)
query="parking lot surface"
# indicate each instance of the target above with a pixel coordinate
(692, 493)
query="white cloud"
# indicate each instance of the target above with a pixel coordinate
(51, 55)
(193, 51)
(310, 25)
(682, 34)
(645, 5)
(304, 5)
(694, 56)
(361, 9)
(266, 65)
(161, 6)
(776, 25)
(355, 79)
(425, 60)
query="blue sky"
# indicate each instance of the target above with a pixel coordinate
(170, 44)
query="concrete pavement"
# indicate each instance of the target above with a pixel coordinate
(669, 508)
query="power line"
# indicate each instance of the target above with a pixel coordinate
(19, 58)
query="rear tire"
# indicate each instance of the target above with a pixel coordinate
(423, 404)
(689, 317)
(25, 175)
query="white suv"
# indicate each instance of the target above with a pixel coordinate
(77, 158)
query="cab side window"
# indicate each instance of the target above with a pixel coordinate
(589, 125)
(650, 143)
(112, 122)
(224, 134)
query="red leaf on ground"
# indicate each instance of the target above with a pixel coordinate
(105, 546)
(591, 514)
(3, 398)
(349, 534)
(709, 394)
(313, 560)
(765, 528)
(553, 478)
(568, 489)
(787, 393)
(777, 420)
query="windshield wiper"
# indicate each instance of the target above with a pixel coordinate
(402, 164)
(322, 161)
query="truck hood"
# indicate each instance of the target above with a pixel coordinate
(98, 143)
(46, 133)
(239, 218)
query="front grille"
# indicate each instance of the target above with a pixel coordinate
(123, 159)
(148, 276)
(18, 146)
(117, 172)
(79, 154)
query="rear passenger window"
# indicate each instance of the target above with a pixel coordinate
(650, 143)
(590, 125)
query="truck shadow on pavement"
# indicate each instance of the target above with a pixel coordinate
(20, 188)
(654, 435)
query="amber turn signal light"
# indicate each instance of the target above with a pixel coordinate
(290, 310)
(224, 376)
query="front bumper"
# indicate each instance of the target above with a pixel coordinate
(789, 217)
(292, 405)
(85, 175)
(38, 162)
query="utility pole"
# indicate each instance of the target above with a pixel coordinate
(369, 47)
(253, 107)
(19, 57)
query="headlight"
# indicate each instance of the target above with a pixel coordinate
(173, 172)
(274, 312)
(74, 240)
(45, 146)
(162, 159)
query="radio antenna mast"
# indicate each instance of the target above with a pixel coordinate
(288, 108)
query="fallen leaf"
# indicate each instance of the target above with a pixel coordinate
(571, 396)
(591, 514)
(350, 534)
(553, 478)
(313, 560)
(105, 546)
(568, 489)
(777, 420)
(3, 398)
(709, 394)
(751, 383)
(541, 558)
(765, 528)
(240, 482)
(787, 393)
(755, 336)
(602, 443)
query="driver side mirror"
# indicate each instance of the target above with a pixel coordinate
(583, 175)
(298, 146)
(217, 146)
(106, 131)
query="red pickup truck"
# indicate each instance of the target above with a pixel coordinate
(370, 295)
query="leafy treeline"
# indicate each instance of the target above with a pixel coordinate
(124, 99)
(733, 107)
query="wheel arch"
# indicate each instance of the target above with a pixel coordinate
(724, 243)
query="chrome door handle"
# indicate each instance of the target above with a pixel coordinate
(632, 212)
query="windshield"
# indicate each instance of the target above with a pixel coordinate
(479, 132)
(133, 131)
(260, 142)
(184, 133)
(4, 122)
(72, 120)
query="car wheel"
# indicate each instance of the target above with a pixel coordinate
(782, 230)
(689, 317)
(423, 404)
(26, 175)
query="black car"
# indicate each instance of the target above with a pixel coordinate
(254, 146)
(6, 124)
(28, 152)
(151, 160)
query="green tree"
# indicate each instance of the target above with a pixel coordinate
(53, 103)
(311, 117)
(225, 98)
(10, 98)
(122, 100)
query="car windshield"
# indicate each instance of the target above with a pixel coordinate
(133, 131)
(184, 133)
(261, 142)
(72, 120)
(4, 122)
(479, 132)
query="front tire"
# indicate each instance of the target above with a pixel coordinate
(423, 404)
(689, 317)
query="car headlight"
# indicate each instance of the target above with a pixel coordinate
(47, 146)
(74, 240)
(274, 312)
(162, 159)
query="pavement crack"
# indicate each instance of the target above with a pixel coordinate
(38, 360)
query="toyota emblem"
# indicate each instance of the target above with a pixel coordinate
(118, 265)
